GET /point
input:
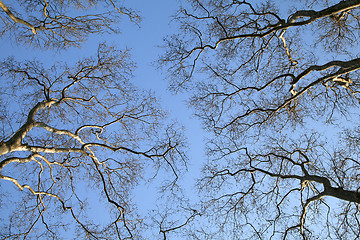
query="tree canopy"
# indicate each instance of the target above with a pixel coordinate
(66, 129)
(61, 24)
(277, 85)
(76, 139)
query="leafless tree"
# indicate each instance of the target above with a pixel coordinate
(75, 139)
(60, 24)
(260, 75)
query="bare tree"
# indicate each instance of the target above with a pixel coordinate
(61, 24)
(75, 139)
(260, 77)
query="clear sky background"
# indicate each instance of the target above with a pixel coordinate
(144, 42)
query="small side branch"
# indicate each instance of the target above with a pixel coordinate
(306, 205)
(40, 193)
(188, 220)
(281, 36)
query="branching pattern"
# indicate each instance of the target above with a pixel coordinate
(52, 24)
(263, 81)
(85, 122)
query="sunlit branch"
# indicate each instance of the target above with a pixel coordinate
(16, 19)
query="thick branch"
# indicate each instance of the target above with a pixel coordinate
(15, 141)
(282, 25)
(313, 15)
(345, 67)
(16, 19)
(346, 195)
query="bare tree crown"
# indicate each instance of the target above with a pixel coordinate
(61, 24)
(74, 123)
(268, 80)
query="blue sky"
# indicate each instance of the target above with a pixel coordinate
(144, 44)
